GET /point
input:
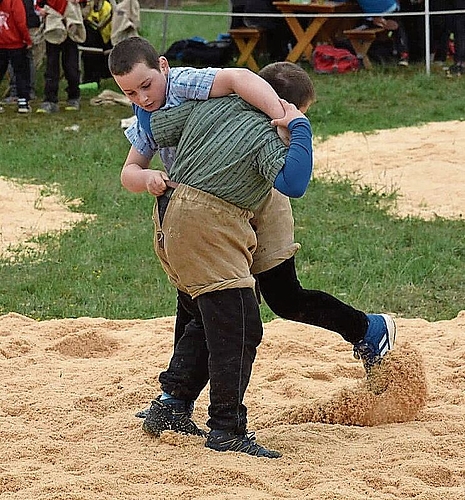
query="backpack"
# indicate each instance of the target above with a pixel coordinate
(329, 59)
(201, 53)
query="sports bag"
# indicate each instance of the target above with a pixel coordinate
(198, 52)
(329, 59)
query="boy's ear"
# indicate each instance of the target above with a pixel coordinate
(164, 65)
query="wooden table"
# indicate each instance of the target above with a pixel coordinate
(316, 25)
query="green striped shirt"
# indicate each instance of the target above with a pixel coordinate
(225, 147)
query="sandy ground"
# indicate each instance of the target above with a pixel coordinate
(70, 387)
(424, 165)
(27, 210)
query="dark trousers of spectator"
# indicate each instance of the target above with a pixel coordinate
(69, 54)
(218, 344)
(18, 58)
(237, 7)
(400, 37)
(13, 87)
(95, 66)
(459, 32)
(441, 28)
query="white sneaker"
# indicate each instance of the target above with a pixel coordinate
(23, 106)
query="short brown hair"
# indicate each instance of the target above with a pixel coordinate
(131, 51)
(290, 82)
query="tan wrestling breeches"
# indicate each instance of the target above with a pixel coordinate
(204, 243)
(274, 226)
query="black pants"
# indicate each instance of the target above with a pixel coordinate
(216, 336)
(459, 31)
(70, 61)
(95, 66)
(19, 60)
(401, 43)
(285, 296)
(441, 27)
(219, 344)
(13, 91)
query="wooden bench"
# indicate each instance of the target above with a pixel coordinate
(246, 40)
(361, 40)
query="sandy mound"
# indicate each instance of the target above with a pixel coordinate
(27, 210)
(425, 165)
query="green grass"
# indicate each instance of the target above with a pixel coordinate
(351, 247)
(163, 30)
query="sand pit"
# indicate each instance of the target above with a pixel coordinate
(71, 388)
(27, 210)
(424, 165)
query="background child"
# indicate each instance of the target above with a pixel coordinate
(35, 54)
(67, 50)
(458, 27)
(15, 42)
(98, 19)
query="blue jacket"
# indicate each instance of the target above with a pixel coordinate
(378, 6)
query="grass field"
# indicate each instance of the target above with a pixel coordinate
(351, 247)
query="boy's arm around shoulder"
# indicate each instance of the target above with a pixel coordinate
(251, 87)
(293, 179)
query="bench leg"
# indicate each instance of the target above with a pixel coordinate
(246, 48)
(361, 48)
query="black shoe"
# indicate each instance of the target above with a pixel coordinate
(143, 413)
(171, 416)
(246, 443)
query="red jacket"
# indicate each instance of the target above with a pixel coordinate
(58, 5)
(13, 28)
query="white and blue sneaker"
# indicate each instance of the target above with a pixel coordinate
(379, 339)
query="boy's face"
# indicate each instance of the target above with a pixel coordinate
(145, 86)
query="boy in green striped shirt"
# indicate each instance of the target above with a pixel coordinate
(228, 159)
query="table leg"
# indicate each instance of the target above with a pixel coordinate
(361, 48)
(304, 38)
